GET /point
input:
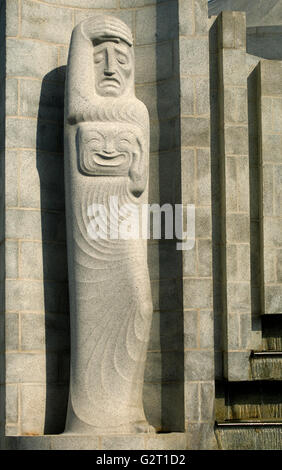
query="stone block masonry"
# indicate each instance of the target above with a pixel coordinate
(270, 118)
(234, 68)
(196, 189)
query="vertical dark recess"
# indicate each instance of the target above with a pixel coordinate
(217, 209)
(171, 291)
(50, 167)
(255, 196)
(2, 218)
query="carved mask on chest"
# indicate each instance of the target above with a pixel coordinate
(108, 149)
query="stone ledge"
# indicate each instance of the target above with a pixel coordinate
(249, 436)
(266, 365)
(169, 441)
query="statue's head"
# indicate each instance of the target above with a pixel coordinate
(113, 63)
(113, 56)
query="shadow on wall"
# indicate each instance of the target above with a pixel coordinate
(265, 41)
(217, 220)
(255, 197)
(50, 166)
(170, 260)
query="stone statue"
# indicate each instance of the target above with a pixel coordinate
(106, 160)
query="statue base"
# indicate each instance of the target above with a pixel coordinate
(148, 441)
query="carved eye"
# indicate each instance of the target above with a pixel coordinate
(95, 144)
(125, 138)
(122, 59)
(125, 142)
(98, 58)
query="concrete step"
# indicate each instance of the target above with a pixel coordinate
(249, 435)
(272, 332)
(266, 365)
(258, 401)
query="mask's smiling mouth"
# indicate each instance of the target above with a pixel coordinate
(109, 159)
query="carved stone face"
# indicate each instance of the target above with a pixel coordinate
(108, 148)
(113, 63)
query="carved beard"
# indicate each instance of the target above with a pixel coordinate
(111, 305)
(113, 318)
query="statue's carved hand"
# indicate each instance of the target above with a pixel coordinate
(92, 30)
(137, 175)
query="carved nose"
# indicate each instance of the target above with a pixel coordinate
(109, 149)
(109, 65)
(108, 72)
